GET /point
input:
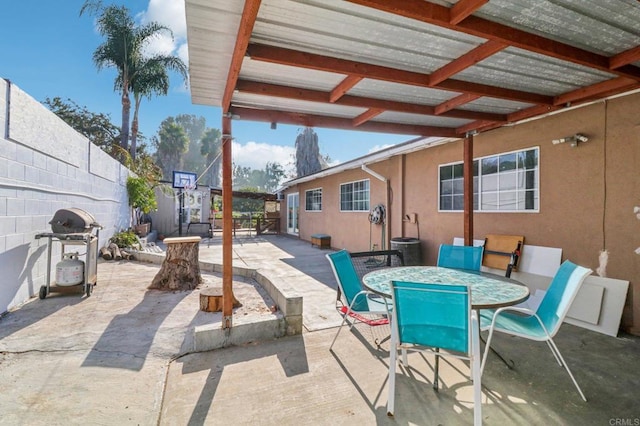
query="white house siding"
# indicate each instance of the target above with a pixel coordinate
(45, 166)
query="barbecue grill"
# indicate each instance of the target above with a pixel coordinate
(72, 227)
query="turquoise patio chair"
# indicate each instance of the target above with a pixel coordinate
(434, 317)
(359, 305)
(543, 324)
(460, 257)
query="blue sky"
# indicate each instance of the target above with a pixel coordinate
(47, 47)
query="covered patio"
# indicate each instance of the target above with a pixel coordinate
(446, 70)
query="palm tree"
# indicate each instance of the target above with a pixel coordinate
(123, 50)
(150, 77)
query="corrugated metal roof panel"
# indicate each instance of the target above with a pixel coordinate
(399, 92)
(344, 30)
(523, 70)
(499, 106)
(604, 26)
(294, 105)
(417, 119)
(266, 72)
(212, 29)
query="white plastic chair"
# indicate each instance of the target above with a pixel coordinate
(543, 324)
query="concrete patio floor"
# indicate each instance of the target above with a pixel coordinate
(122, 356)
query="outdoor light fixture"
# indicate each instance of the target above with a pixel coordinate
(573, 140)
(274, 125)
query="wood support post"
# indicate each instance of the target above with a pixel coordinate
(468, 190)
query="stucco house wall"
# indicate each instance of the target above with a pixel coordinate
(587, 193)
(45, 166)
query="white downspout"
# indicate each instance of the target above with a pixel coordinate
(387, 223)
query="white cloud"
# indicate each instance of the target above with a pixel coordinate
(167, 12)
(171, 14)
(379, 147)
(257, 154)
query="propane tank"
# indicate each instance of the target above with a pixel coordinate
(70, 270)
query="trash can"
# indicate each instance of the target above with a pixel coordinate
(410, 249)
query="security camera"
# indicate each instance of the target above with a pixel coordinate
(581, 138)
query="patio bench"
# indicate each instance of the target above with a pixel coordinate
(321, 240)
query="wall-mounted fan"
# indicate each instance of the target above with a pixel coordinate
(377, 214)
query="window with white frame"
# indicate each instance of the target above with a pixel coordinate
(504, 182)
(354, 196)
(313, 200)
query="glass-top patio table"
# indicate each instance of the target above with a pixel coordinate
(488, 291)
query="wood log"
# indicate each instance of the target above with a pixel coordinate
(180, 269)
(126, 255)
(211, 300)
(116, 251)
(106, 253)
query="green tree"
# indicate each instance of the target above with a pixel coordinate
(98, 128)
(266, 180)
(123, 50)
(195, 127)
(308, 158)
(273, 174)
(171, 144)
(211, 147)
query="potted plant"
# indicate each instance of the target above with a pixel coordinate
(142, 199)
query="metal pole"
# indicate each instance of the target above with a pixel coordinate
(227, 226)
(181, 211)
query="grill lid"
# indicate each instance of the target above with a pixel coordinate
(73, 221)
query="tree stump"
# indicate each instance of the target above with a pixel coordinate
(181, 268)
(211, 299)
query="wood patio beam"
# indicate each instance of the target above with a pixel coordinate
(465, 61)
(625, 58)
(595, 91)
(247, 21)
(343, 87)
(282, 56)
(298, 119)
(463, 9)
(449, 105)
(431, 13)
(366, 116)
(267, 89)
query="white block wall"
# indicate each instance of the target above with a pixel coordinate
(45, 166)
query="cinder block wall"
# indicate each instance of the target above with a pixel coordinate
(45, 166)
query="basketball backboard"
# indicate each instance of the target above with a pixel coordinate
(184, 179)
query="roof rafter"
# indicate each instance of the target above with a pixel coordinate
(625, 58)
(454, 102)
(366, 116)
(464, 8)
(247, 21)
(296, 58)
(431, 13)
(584, 94)
(343, 87)
(275, 90)
(465, 61)
(311, 120)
